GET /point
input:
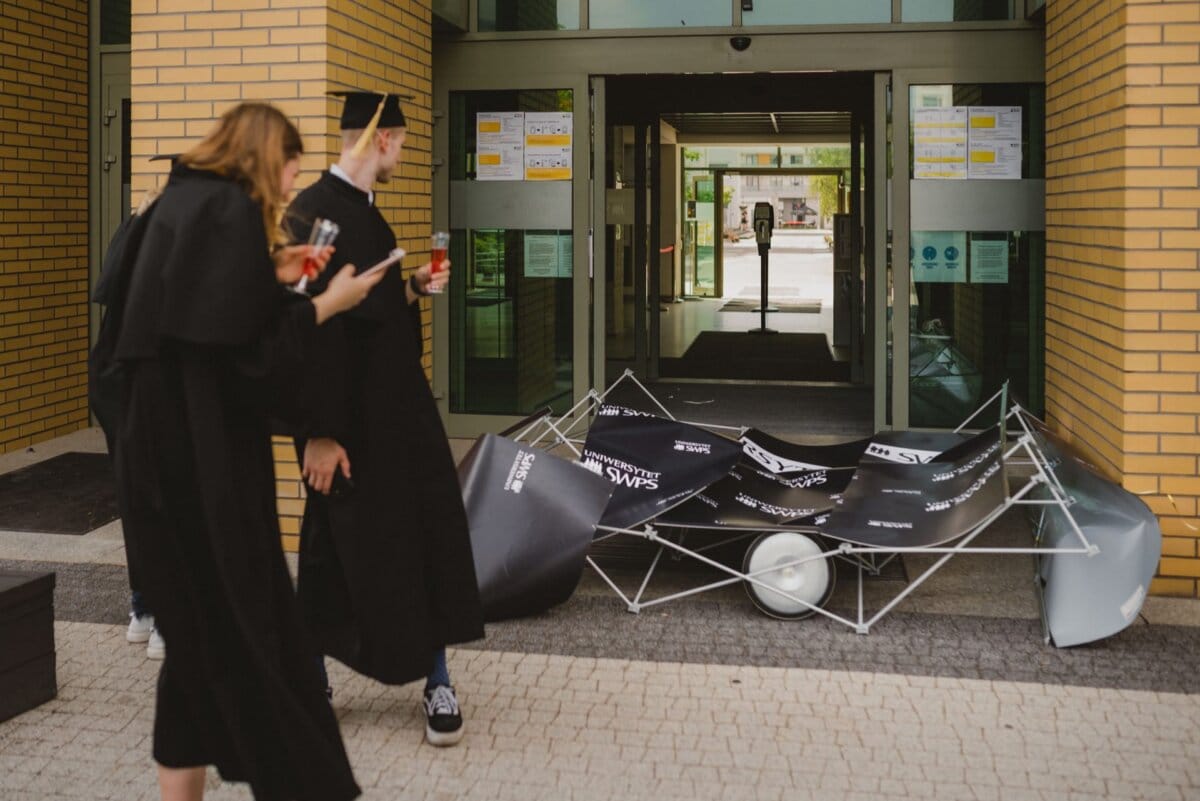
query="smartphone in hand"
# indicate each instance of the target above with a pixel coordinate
(393, 257)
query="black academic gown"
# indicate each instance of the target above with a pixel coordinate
(210, 346)
(386, 571)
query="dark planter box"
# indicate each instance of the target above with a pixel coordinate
(26, 642)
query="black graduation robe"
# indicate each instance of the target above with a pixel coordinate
(210, 345)
(386, 571)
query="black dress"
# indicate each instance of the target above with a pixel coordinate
(210, 347)
(386, 571)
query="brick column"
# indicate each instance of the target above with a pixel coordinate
(193, 59)
(1122, 277)
(43, 220)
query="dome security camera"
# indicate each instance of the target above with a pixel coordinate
(739, 43)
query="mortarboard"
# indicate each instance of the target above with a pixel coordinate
(164, 156)
(362, 107)
(369, 110)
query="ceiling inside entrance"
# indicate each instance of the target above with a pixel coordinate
(762, 124)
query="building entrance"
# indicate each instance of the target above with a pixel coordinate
(687, 158)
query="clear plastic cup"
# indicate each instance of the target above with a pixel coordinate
(439, 242)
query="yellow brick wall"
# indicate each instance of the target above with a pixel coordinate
(192, 59)
(1122, 277)
(43, 220)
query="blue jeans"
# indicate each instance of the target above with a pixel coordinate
(137, 604)
(440, 674)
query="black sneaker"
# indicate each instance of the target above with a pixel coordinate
(443, 719)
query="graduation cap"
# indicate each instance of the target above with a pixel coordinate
(164, 156)
(370, 111)
(361, 108)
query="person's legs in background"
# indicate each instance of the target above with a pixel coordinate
(443, 718)
(141, 627)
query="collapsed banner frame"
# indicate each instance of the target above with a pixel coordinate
(1023, 458)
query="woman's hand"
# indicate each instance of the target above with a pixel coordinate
(291, 259)
(428, 281)
(345, 291)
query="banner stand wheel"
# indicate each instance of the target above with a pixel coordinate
(812, 581)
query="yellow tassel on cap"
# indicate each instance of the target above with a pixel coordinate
(364, 141)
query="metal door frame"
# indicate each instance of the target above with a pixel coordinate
(469, 425)
(1007, 71)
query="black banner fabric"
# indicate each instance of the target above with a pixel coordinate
(750, 497)
(911, 447)
(655, 463)
(532, 518)
(892, 505)
(778, 456)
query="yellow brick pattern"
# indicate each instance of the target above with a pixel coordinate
(193, 59)
(1123, 252)
(43, 220)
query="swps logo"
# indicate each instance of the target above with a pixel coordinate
(519, 472)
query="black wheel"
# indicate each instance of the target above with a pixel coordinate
(811, 581)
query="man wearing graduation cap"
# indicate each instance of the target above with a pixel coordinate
(387, 578)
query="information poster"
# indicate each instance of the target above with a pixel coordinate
(989, 261)
(938, 257)
(548, 145)
(940, 142)
(499, 146)
(547, 255)
(994, 142)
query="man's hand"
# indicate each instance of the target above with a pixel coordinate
(427, 281)
(322, 456)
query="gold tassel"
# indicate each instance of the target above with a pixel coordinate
(368, 133)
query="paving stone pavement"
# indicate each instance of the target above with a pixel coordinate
(544, 726)
(730, 632)
(954, 696)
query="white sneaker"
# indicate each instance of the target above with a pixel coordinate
(139, 628)
(157, 647)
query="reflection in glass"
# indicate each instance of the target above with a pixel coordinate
(511, 316)
(528, 15)
(621, 180)
(659, 13)
(955, 10)
(971, 331)
(789, 12)
(511, 321)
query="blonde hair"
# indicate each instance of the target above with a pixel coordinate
(251, 144)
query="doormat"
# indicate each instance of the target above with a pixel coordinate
(757, 357)
(73, 493)
(796, 306)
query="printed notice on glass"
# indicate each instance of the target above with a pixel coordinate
(548, 145)
(937, 257)
(547, 256)
(994, 142)
(940, 142)
(500, 146)
(989, 261)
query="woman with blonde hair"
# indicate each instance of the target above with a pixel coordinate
(212, 344)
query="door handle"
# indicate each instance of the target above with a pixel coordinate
(108, 162)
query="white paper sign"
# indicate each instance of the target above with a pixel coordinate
(547, 256)
(940, 142)
(939, 257)
(989, 261)
(499, 146)
(994, 142)
(548, 145)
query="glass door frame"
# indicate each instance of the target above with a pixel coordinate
(1011, 71)
(466, 424)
